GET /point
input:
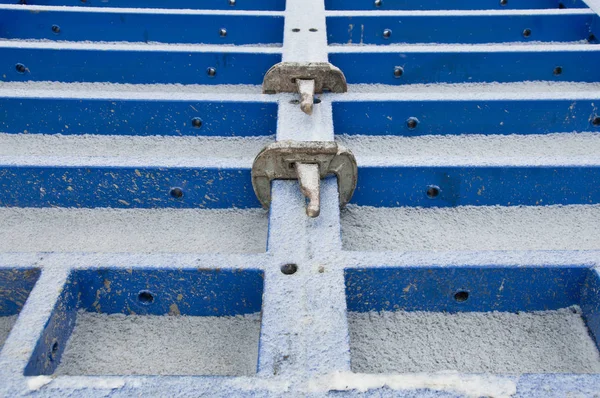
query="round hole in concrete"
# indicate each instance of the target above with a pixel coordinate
(296, 30)
(527, 32)
(503, 2)
(313, 30)
(56, 29)
(461, 296)
(145, 297)
(398, 71)
(596, 121)
(412, 123)
(21, 68)
(316, 101)
(289, 269)
(197, 122)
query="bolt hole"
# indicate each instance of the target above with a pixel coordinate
(232, 3)
(316, 101)
(558, 71)
(561, 5)
(20, 68)
(461, 296)
(197, 122)
(145, 297)
(55, 347)
(289, 269)
(377, 3)
(56, 29)
(527, 33)
(211, 72)
(433, 191)
(596, 121)
(313, 30)
(222, 32)
(296, 30)
(387, 33)
(176, 192)
(592, 38)
(503, 2)
(412, 123)
(294, 102)
(398, 71)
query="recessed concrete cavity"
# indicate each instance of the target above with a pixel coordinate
(469, 228)
(133, 230)
(472, 342)
(119, 344)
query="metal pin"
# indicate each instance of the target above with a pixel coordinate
(306, 88)
(310, 180)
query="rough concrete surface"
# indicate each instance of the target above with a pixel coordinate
(120, 344)
(467, 228)
(6, 324)
(133, 231)
(472, 342)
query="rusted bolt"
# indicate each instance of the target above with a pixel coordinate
(387, 33)
(211, 72)
(398, 71)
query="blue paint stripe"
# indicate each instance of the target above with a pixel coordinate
(466, 117)
(68, 65)
(455, 5)
(124, 187)
(468, 67)
(490, 288)
(133, 27)
(136, 117)
(470, 29)
(478, 186)
(260, 5)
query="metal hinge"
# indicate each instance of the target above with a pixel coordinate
(305, 79)
(308, 162)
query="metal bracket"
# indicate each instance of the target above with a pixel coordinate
(306, 79)
(308, 162)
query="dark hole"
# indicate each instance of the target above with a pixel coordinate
(232, 2)
(461, 296)
(387, 33)
(289, 269)
(398, 71)
(412, 123)
(20, 68)
(294, 102)
(56, 28)
(211, 71)
(378, 3)
(145, 297)
(55, 347)
(197, 122)
(316, 101)
(592, 38)
(223, 32)
(313, 30)
(503, 2)
(527, 33)
(596, 121)
(177, 193)
(433, 191)
(558, 70)
(296, 30)
(561, 5)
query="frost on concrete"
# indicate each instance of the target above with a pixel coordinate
(6, 324)
(472, 342)
(118, 344)
(468, 228)
(133, 230)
